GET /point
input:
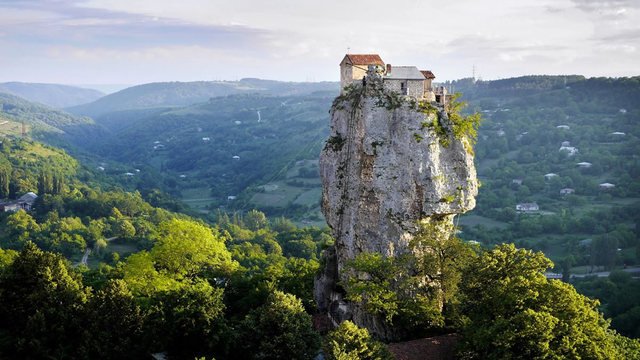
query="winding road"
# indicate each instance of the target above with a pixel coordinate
(87, 252)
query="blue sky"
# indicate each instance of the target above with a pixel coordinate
(138, 41)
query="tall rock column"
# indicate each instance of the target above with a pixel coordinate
(384, 170)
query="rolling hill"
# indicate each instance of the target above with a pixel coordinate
(54, 95)
(45, 123)
(177, 94)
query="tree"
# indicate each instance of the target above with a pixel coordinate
(414, 291)
(185, 248)
(123, 228)
(514, 312)
(21, 227)
(566, 265)
(6, 258)
(255, 220)
(115, 324)
(604, 251)
(41, 306)
(143, 278)
(349, 342)
(189, 320)
(280, 329)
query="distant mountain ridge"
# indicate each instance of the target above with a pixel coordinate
(46, 123)
(54, 95)
(178, 94)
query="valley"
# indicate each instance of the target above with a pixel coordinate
(542, 164)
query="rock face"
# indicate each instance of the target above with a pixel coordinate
(384, 169)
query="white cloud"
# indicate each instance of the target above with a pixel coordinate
(297, 40)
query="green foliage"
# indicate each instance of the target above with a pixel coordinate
(349, 342)
(255, 220)
(185, 248)
(413, 292)
(114, 323)
(629, 348)
(463, 126)
(515, 312)
(280, 329)
(31, 166)
(41, 306)
(620, 297)
(440, 261)
(375, 287)
(6, 258)
(189, 321)
(44, 121)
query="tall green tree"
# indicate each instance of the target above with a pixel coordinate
(41, 307)
(255, 220)
(185, 248)
(514, 312)
(349, 342)
(278, 330)
(115, 324)
(189, 322)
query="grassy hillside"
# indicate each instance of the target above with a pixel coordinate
(45, 123)
(54, 95)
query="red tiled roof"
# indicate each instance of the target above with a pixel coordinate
(365, 59)
(433, 348)
(428, 74)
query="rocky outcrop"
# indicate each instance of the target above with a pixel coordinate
(389, 163)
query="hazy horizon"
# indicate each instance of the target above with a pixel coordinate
(123, 42)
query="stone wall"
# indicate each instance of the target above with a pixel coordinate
(415, 88)
(350, 73)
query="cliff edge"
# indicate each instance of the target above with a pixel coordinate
(390, 163)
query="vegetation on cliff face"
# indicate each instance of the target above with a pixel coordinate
(451, 122)
(349, 342)
(416, 292)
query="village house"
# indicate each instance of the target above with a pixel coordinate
(567, 191)
(527, 207)
(569, 150)
(429, 93)
(584, 165)
(549, 176)
(606, 186)
(406, 80)
(354, 67)
(24, 202)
